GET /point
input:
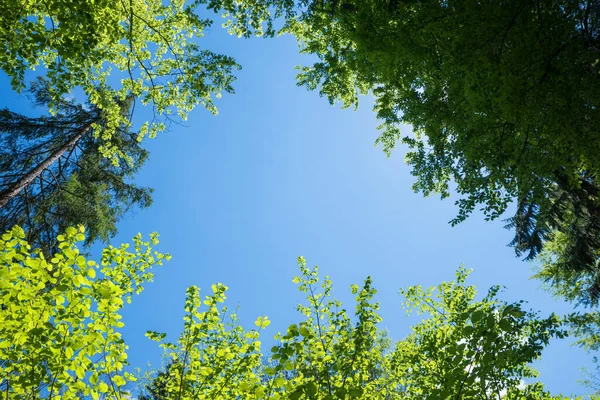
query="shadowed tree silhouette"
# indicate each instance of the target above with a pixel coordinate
(53, 175)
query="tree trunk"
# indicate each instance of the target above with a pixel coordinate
(16, 187)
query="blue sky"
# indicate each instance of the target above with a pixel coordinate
(280, 173)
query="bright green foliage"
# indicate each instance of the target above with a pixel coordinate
(214, 356)
(245, 18)
(329, 355)
(59, 317)
(60, 320)
(470, 347)
(503, 96)
(148, 48)
(463, 349)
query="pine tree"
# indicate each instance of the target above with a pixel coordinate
(53, 175)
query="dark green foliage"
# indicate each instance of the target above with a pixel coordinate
(79, 187)
(572, 224)
(503, 96)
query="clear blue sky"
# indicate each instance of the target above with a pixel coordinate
(280, 173)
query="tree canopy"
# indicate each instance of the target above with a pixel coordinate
(504, 100)
(53, 174)
(331, 354)
(114, 49)
(59, 316)
(503, 97)
(75, 166)
(59, 335)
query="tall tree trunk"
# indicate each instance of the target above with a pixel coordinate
(16, 187)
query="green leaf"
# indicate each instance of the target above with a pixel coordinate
(304, 331)
(80, 261)
(505, 325)
(310, 389)
(295, 395)
(476, 316)
(103, 387)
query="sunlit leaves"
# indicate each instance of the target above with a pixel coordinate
(59, 321)
(111, 49)
(214, 356)
(59, 336)
(463, 349)
(467, 348)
